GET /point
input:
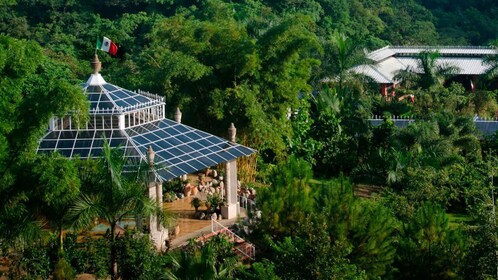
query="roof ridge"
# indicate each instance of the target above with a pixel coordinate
(444, 47)
(381, 74)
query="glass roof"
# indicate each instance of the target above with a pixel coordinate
(85, 143)
(108, 96)
(179, 149)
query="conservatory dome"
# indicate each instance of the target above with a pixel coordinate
(135, 121)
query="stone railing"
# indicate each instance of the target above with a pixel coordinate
(242, 247)
(487, 126)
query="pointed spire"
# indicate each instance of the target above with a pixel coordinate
(178, 115)
(232, 131)
(96, 64)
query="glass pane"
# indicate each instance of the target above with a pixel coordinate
(48, 144)
(83, 153)
(83, 143)
(64, 144)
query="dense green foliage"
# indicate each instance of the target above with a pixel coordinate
(279, 71)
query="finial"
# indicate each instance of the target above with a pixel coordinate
(232, 131)
(96, 64)
(151, 154)
(178, 115)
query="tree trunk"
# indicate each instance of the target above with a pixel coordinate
(61, 240)
(113, 269)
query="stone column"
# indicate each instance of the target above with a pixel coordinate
(158, 233)
(231, 209)
(178, 119)
(178, 115)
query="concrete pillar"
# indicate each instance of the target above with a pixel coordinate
(158, 233)
(231, 209)
(122, 121)
(383, 89)
(51, 123)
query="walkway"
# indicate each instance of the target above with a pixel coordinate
(190, 227)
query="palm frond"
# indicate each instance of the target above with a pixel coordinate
(23, 233)
(84, 211)
(492, 62)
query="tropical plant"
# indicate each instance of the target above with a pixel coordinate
(366, 227)
(213, 200)
(115, 197)
(58, 186)
(429, 70)
(429, 248)
(138, 259)
(492, 62)
(196, 203)
(288, 199)
(214, 260)
(313, 254)
(34, 88)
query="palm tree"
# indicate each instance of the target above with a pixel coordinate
(430, 71)
(214, 260)
(115, 197)
(57, 185)
(342, 55)
(492, 62)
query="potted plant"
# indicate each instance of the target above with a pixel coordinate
(214, 201)
(196, 203)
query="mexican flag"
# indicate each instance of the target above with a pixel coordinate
(107, 45)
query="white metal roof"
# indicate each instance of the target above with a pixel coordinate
(464, 65)
(390, 60)
(96, 80)
(458, 51)
(381, 54)
(382, 72)
(446, 50)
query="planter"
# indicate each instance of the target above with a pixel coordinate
(187, 190)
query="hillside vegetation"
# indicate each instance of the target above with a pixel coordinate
(261, 65)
